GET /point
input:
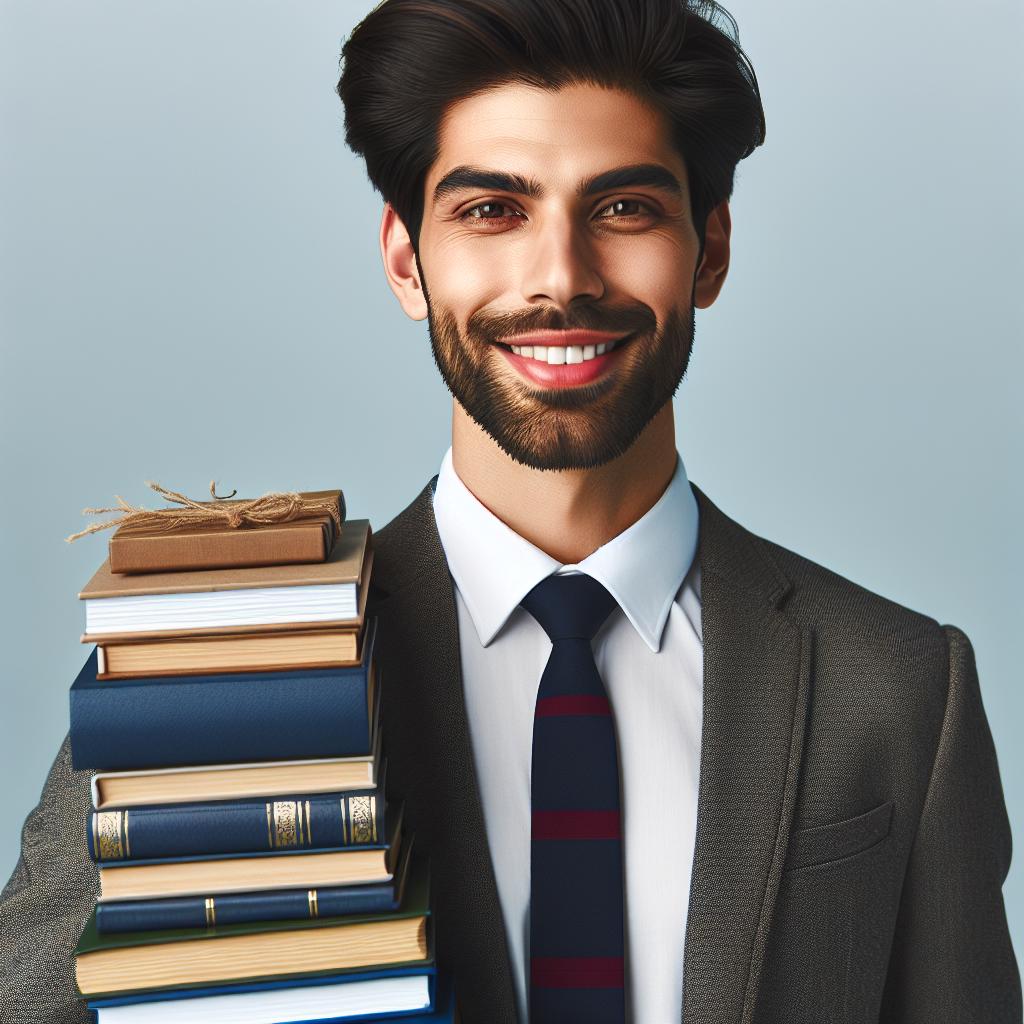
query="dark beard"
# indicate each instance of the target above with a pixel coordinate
(563, 428)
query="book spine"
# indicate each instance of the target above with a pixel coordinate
(319, 822)
(161, 722)
(244, 908)
(299, 542)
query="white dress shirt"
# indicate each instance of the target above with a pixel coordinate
(650, 655)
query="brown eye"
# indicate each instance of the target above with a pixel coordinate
(633, 207)
(484, 211)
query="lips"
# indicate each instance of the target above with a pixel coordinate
(562, 375)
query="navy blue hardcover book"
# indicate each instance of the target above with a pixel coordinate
(163, 722)
(248, 907)
(441, 1008)
(317, 821)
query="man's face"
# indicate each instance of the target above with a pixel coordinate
(521, 235)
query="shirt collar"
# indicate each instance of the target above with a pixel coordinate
(494, 567)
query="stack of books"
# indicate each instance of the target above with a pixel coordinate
(251, 868)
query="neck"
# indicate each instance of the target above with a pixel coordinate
(569, 513)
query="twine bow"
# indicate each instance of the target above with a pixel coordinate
(274, 507)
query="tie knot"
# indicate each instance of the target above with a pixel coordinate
(569, 606)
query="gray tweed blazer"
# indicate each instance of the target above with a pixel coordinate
(852, 838)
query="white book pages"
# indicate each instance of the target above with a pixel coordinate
(281, 1005)
(225, 608)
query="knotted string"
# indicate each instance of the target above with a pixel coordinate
(274, 507)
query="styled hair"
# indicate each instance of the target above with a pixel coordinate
(407, 61)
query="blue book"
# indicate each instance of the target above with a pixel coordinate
(161, 722)
(414, 995)
(249, 907)
(315, 821)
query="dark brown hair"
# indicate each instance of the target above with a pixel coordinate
(407, 61)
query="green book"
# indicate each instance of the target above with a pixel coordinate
(114, 964)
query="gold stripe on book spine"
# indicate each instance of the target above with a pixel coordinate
(309, 831)
(270, 834)
(364, 826)
(211, 912)
(344, 823)
(314, 910)
(286, 822)
(127, 848)
(108, 824)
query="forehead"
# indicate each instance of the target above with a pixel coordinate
(558, 136)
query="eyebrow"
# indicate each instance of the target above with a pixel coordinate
(466, 177)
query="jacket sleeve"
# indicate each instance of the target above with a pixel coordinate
(952, 959)
(45, 903)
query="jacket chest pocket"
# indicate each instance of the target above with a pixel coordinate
(839, 840)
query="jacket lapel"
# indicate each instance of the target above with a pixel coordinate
(430, 760)
(756, 686)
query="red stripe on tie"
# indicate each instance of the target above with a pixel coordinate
(577, 972)
(576, 825)
(584, 704)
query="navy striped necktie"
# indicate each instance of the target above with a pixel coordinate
(577, 971)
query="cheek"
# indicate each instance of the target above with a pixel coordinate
(462, 281)
(658, 273)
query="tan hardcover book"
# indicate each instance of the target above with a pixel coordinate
(240, 874)
(255, 955)
(231, 782)
(308, 539)
(245, 652)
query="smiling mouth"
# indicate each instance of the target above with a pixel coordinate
(558, 355)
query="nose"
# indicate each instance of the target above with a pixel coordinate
(560, 266)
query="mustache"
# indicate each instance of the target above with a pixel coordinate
(484, 327)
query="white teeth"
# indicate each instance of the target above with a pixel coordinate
(558, 355)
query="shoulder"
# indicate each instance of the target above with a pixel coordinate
(881, 676)
(824, 599)
(853, 627)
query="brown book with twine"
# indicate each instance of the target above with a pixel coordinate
(276, 529)
(220, 544)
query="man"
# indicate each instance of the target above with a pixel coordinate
(665, 770)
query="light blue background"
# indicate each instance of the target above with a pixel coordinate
(190, 288)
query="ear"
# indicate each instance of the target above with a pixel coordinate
(714, 264)
(400, 264)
